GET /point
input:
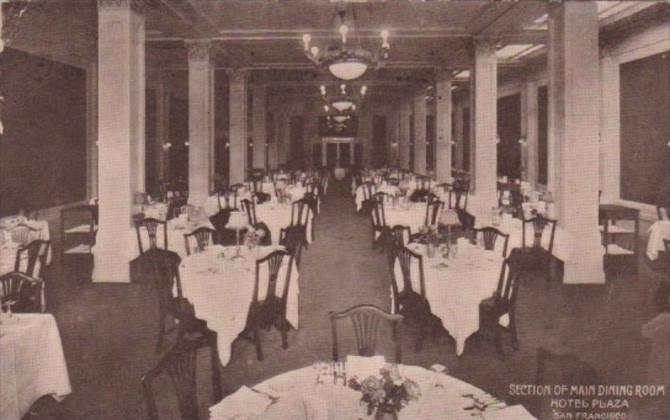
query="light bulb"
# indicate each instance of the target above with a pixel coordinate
(314, 50)
(343, 88)
(306, 39)
(353, 107)
(325, 108)
(344, 30)
(323, 90)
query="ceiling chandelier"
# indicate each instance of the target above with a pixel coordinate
(343, 101)
(345, 62)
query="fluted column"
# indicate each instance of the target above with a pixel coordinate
(443, 123)
(420, 113)
(121, 133)
(573, 146)
(258, 124)
(238, 126)
(484, 94)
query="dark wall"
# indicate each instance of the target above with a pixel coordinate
(431, 128)
(151, 159)
(466, 139)
(379, 141)
(43, 148)
(509, 131)
(178, 136)
(645, 129)
(296, 137)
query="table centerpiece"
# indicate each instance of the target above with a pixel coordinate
(387, 394)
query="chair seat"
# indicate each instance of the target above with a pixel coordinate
(84, 228)
(79, 249)
(614, 249)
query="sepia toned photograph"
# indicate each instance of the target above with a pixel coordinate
(334, 210)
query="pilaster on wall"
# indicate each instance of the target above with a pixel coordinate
(529, 132)
(420, 112)
(91, 128)
(259, 111)
(443, 107)
(238, 126)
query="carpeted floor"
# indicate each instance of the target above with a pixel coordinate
(109, 330)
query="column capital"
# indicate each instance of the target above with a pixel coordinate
(198, 49)
(137, 6)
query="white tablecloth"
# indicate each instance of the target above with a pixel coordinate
(277, 216)
(221, 290)
(659, 231)
(8, 247)
(300, 398)
(31, 363)
(413, 216)
(455, 290)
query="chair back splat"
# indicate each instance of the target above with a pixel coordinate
(365, 321)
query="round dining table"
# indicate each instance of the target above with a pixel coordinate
(305, 394)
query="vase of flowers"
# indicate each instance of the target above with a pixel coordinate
(387, 394)
(254, 237)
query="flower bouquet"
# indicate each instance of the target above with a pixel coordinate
(253, 237)
(387, 394)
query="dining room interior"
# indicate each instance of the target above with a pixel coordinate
(333, 209)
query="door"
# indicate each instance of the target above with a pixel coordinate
(509, 131)
(345, 154)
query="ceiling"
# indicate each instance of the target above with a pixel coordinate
(267, 35)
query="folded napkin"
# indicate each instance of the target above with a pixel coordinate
(244, 402)
(513, 412)
(363, 367)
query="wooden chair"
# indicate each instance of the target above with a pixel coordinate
(293, 240)
(378, 221)
(503, 302)
(151, 226)
(256, 188)
(203, 237)
(423, 183)
(457, 198)
(270, 311)
(229, 199)
(36, 259)
(300, 213)
(536, 252)
(22, 292)
(369, 189)
(490, 236)
(433, 208)
(165, 277)
(365, 320)
(180, 364)
(79, 225)
(412, 304)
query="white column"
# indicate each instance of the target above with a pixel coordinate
(238, 126)
(574, 113)
(200, 121)
(458, 136)
(121, 120)
(403, 138)
(420, 113)
(443, 123)
(258, 124)
(484, 94)
(529, 127)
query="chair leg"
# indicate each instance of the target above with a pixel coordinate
(499, 343)
(257, 343)
(161, 333)
(283, 326)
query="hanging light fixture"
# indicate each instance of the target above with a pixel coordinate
(345, 62)
(343, 101)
